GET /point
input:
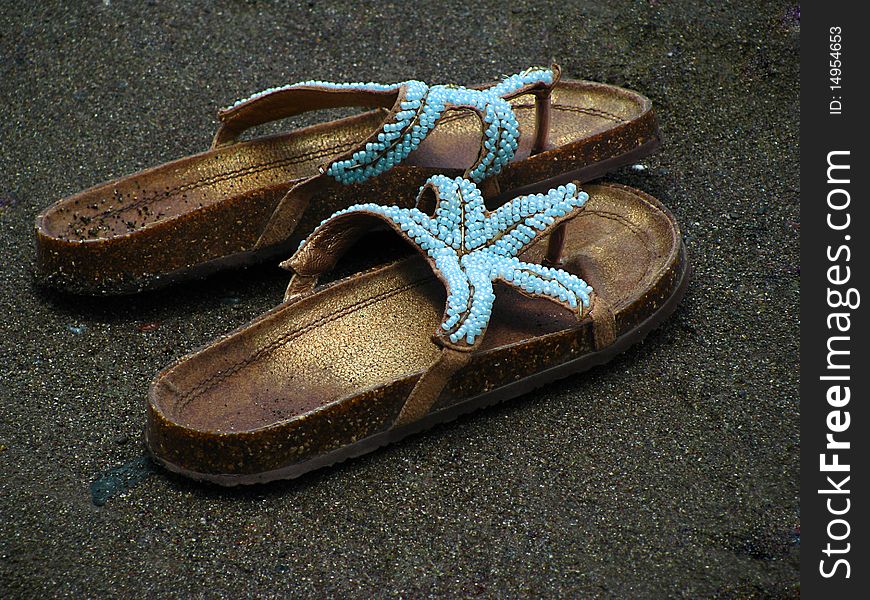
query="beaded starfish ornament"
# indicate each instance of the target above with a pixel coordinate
(419, 111)
(471, 247)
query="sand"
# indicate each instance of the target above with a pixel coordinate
(670, 472)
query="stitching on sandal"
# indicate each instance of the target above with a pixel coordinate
(640, 233)
(210, 382)
(595, 112)
(300, 158)
(228, 176)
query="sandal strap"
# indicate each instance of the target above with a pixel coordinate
(420, 113)
(432, 382)
(430, 385)
(603, 322)
(467, 247)
(289, 100)
(415, 109)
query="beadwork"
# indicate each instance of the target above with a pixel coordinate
(421, 107)
(472, 247)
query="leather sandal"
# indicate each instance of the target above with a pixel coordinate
(243, 202)
(341, 369)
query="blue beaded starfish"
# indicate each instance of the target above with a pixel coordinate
(421, 107)
(472, 247)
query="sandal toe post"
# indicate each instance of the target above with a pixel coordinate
(339, 370)
(247, 200)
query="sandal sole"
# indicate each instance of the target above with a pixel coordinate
(238, 226)
(504, 393)
(250, 258)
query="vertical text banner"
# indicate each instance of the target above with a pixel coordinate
(835, 261)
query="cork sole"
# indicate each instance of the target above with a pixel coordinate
(203, 213)
(502, 394)
(245, 259)
(322, 378)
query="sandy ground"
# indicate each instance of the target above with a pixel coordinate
(673, 471)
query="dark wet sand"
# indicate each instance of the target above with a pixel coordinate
(672, 472)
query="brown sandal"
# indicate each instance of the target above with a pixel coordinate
(339, 370)
(245, 201)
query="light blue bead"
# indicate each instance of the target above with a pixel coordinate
(421, 106)
(473, 248)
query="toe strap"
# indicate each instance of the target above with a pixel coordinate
(603, 322)
(468, 248)
(428, 388)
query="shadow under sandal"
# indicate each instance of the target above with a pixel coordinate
(339, 370)
(243, 202)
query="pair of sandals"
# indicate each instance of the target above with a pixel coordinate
(482, 181)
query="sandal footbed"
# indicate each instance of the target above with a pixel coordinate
(207, 211)
(335, 367)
